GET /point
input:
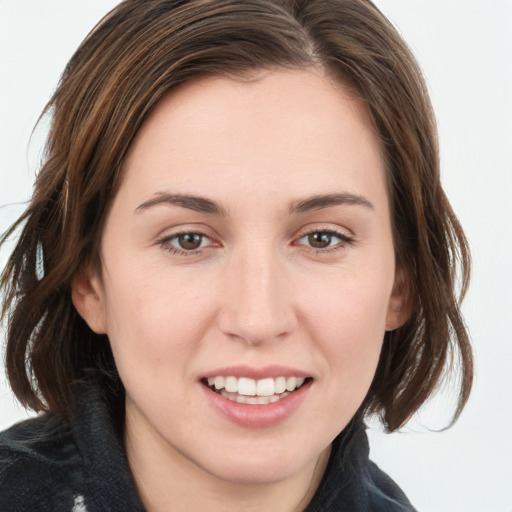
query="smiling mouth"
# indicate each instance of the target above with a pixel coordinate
(244, 390)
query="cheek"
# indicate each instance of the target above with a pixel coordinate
(348, 322)
(154, 315)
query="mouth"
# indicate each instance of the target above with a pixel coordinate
(245, 390)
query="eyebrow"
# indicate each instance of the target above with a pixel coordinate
(205, 205)
(319, 202)
(196, 203)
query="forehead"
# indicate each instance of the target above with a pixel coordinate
(288, 128)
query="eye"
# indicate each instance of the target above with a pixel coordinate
(319, 240)
(188, 242)
(325, 239)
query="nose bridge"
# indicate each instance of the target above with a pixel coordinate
(258, 305)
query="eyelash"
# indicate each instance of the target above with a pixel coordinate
(344, 241)
(165, 243)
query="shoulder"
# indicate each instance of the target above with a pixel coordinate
(384, 493)
(353, 482)
(39, 466)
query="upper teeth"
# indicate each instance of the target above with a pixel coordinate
(251, 387)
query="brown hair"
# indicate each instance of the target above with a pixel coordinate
(137, 54)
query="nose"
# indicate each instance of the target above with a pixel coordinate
(257, 305)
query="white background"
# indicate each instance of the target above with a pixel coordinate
(465, 49)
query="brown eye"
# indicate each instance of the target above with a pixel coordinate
(320, 240)
(189, 241)
(324, 241)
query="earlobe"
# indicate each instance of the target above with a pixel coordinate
(399, 306)
(88, 298)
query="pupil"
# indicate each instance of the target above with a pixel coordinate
(320, 240)
(189, 241)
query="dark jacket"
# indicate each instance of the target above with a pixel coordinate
(52, 464)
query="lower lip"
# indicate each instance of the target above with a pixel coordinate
(257, 416)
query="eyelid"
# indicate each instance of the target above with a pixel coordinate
(164, 240)
(321, 227)
(346, 237)
(326, 229)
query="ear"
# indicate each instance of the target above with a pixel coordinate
(399, 306)
(88, 298)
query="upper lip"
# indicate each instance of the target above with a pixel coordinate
(265, 372)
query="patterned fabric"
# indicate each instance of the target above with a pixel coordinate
(51, 464)
(79, 504)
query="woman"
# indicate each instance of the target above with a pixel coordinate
(237, 249)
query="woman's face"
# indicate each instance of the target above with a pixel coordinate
(248, 248)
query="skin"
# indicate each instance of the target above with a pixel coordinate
(256, 292)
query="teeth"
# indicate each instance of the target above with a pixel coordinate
(231, 384)
(263, 388)
(291, 383)
(246, 386)
(252, 400)
(218, 382)
(280, 385)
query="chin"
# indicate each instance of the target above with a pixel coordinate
(262, 466)
(254, 474)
